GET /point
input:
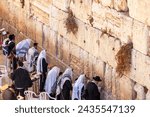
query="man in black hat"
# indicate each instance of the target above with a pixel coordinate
(11, 55)
(91, 91)
(21, 79)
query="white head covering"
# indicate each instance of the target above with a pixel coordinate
(39, 61)
(4, 33)
(67, 75)
(22, 47)
(51, 78)
(68, 72)
(30, 58)
(77, 88)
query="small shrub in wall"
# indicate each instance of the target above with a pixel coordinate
(70, 23)
(123, 58)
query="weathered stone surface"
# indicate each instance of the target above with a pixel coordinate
(138, 9)
(31, 26)
(141, 70)
(108, 78)
(120, 5)
(54, 24)
(140, 92)
(140, 42)
(148, 95)
(103, 26)
(39, 33)
(46, 36)
(99, 67)
(53, 42)
(107, 50)
(66, 51)
(126, 88)
(108, 3)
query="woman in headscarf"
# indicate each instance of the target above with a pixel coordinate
(51, 79)
(42, 68)
(22, 47)
(78, 88)
(66, 84)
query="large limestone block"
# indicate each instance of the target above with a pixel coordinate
(108, 3)
(39, 32)
(148, 95)
(54, 24)
(108, 78)
(117, 45)
(120, 5)
(54, 11)
(66, 51)
(46, 36)
(139, 10)
(91, 41)
(115, 84)
(31, 26)
(82, 10)
(40, 12)
(62, 4)
(126, 88)
(140, 37)
(81, 35)
(86, 68)
(60, 47)
(107, 50)
(141, 73)
(53, 41)
(75, 50)
(114, 23)
(98, 67)
(140, 91)
(132, 72)
(62, 30)
(126, 28)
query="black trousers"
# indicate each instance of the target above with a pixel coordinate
(20, 91)
(42, 81)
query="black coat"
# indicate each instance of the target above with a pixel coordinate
(91, 92)
(21, 78)
(67, 87)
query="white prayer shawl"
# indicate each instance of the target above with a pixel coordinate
(4, 42)
(30, 57)
(39, 61)
(68, 72)
(22, 47)
(77, 88)
(51, 79)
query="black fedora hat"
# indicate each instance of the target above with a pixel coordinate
(97, 78)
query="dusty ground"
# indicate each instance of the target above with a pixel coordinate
(2, 58)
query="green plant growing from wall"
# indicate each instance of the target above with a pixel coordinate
(123, 58)
(70, 23)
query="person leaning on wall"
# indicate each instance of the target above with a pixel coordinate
(92, 91)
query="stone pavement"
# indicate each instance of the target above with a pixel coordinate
(3, 80)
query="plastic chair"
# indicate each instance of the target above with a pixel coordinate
(45, 96)
(30, 95)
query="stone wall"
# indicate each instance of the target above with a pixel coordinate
(103, 27)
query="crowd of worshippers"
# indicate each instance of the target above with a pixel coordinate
(56, 83)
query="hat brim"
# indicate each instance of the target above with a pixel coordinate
(97, 79)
